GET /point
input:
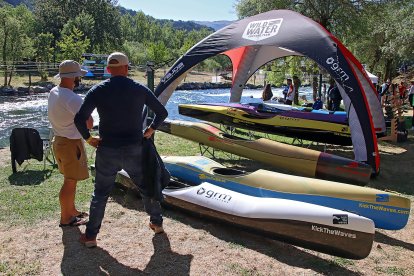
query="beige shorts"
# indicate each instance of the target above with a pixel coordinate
(71, 158)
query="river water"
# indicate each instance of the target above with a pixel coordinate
(31, 110)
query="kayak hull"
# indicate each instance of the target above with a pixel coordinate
(388, 210)
(307, 225)
(300, 161)
(283, 124)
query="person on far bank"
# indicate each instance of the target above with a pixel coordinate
(411, 101)
(335, 97)
(68, 145)
(290, 96)
(120, 102)
(267, 94)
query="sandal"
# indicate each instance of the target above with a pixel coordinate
(82, 215)
(76, 221)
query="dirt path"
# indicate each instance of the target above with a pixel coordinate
(191, 246)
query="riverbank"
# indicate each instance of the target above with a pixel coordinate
(31, 243)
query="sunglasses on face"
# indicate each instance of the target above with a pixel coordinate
(77, 81)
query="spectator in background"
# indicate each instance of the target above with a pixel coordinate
(318, 104)
(385, 89)
(285, 91)
(411, 101)
(402, 89)
(267, 94)
(329, 100)
(291, 92)
(335, 97)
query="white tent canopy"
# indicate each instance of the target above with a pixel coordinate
(372, 77)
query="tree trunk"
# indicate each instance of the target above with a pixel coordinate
(296, 84)
(314, 87)
(5, 57)
(10, 77)
(388, 68)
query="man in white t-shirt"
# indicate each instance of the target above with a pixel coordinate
(68, 145)
(291, 92)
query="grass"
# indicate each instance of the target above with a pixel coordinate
(20, 268)
(32, 194)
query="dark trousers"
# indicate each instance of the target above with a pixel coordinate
(108, 162)
(335, 104)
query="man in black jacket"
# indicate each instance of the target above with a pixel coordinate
(120, 102)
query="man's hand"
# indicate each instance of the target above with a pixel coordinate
(89, 123)
(93, 141)
(148, 132)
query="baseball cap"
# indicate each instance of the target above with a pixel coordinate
(117, 59)
(70, 69)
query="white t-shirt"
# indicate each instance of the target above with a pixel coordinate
(292, 92)
(63, 104)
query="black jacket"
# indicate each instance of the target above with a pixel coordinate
(25, 143)
(155, 176)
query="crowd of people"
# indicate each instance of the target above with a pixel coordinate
(332, 96)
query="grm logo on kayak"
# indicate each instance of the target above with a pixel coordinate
(259, 30)
(382, 198)
(340, 219)
(173, 72)
(326, 230)
(211, 194)
(337, 69)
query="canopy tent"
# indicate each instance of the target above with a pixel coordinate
(254, 41)
(372, 77)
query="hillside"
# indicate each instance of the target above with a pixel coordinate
(29, 3)
(216, 25)
(184, 25)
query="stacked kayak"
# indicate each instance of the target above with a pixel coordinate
(311, 226)
(301, 161)
(319, 126)
(387, 210)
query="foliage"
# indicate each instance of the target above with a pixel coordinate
(73, 45)
(15, 30)
(43, 52)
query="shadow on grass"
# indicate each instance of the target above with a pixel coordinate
(277, 250)
(79, 260)
(29, 177)
(382, 238)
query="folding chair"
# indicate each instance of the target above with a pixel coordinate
(25, 144)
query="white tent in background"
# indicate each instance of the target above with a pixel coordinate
(372, 77)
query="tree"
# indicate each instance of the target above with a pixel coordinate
(104, 35)
(157, 52)
(15, 27)
(43, 52)
(73, 45)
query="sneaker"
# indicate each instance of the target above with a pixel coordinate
(91, 242)
(156, 228)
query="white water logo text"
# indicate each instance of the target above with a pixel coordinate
(259, 30)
